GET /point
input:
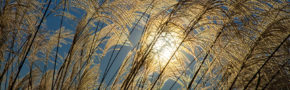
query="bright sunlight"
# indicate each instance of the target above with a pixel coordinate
(165, 46)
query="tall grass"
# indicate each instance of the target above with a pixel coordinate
(144, 44)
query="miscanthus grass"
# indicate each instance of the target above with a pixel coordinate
(144, 44)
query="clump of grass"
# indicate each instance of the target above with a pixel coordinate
(147, 44)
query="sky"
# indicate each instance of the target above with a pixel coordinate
(52, 23)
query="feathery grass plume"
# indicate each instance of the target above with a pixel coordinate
(144, 44)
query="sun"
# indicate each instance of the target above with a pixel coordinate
(162, 40)
(165, 46)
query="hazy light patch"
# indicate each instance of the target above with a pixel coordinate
(165, 46)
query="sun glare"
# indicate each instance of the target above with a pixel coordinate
(165, 47)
